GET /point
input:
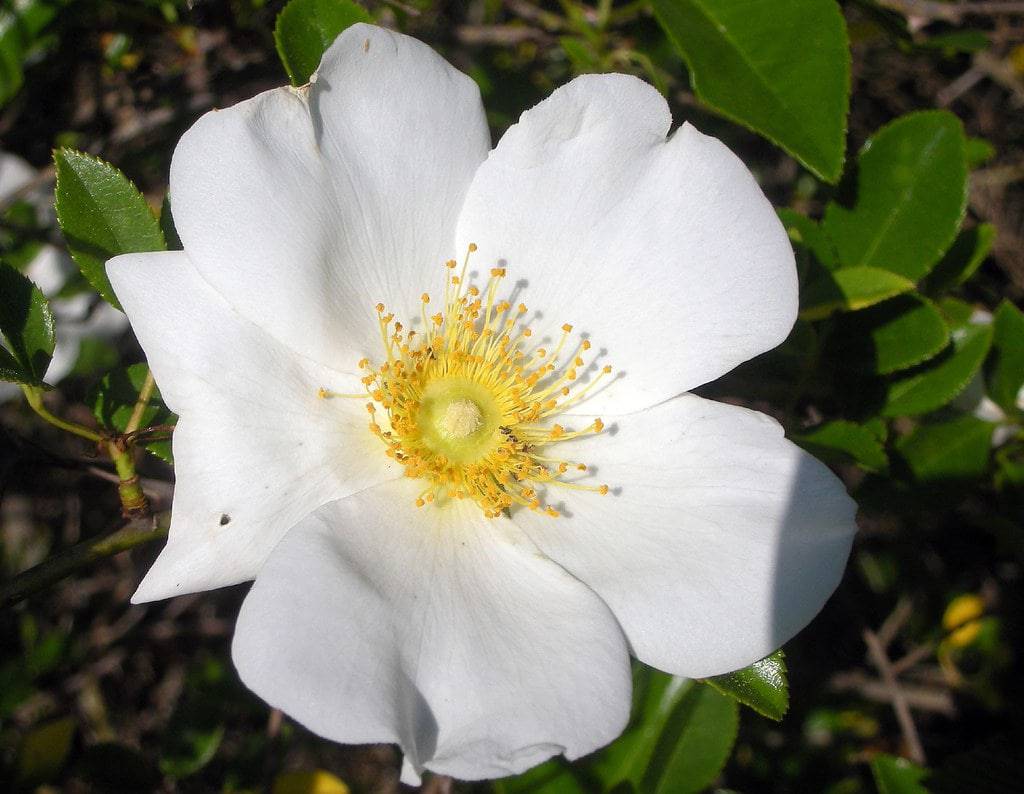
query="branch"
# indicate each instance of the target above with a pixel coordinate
(134, 533)
(899, 701)
(951, 12)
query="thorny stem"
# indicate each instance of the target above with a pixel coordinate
(145, 393)
(135, 532)
(34, 395)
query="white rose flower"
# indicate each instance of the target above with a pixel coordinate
(465, 570)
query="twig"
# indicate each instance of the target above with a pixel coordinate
(964, 83)
(899, 701)
(919, 698)
(897, 620)
(918, 654)
(952, 12)
(501, 35)
(134, 533)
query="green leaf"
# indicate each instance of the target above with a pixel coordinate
(655, 696)
(188, 749)
(840, 441)
(911, 193)
(849, 289)
(113, 400)
(678, 740)
(781, 69)
(1005, 369)
(957, 312)
(895, 775)
(102, 214)
(894, 335)
(807, 233)
(552, 777)
(26, 323)
(954, 450)
(936, 383)
(962, 259)
(696, 743)
(957, 41)
(762, 686)
(167, 225)
(306, 28)
(20, 25)
(979, 152)
(44, 751)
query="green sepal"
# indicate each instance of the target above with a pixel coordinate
(763, 686)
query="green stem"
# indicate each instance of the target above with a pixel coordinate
(145, 393)
(34, 395)
(136, 532)
(133, 500)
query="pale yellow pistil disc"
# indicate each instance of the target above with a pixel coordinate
(462, 418)
(457, 419)
(466, 401)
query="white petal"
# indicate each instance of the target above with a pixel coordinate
(256, 449)
(435, 628)
(665, 252)
(719, 540)
(305, 207)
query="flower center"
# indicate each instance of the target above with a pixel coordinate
(461, 418)
(466, 404)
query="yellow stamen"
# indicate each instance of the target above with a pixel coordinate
(466, 405)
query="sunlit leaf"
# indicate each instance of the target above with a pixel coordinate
(909, 197)
(102, 214)
(306, 28)
(937, 382)
(895, 335)
(782, 69)
(849, 289)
